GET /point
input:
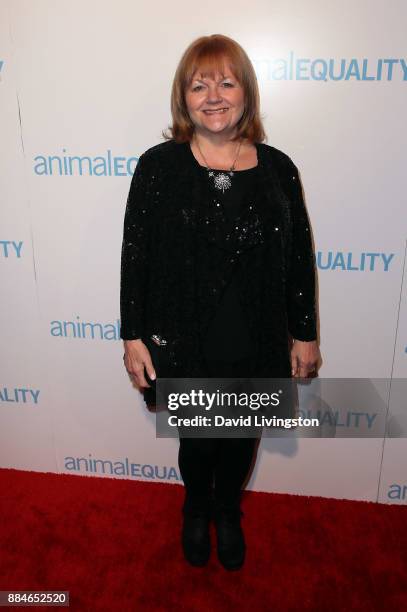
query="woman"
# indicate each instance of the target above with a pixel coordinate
(217, 273)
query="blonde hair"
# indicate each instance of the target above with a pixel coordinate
(210, 54)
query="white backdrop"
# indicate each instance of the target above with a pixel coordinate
(92, 80)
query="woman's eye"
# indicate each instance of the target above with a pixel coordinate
(226, 84)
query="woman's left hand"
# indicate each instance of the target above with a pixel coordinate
(305, 357)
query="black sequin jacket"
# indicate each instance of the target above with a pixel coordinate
(170, 287)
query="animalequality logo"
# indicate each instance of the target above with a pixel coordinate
(397, 491)
(292, 68)
(122, 467)
(65, 164)
(354, 262)
(85, 330)
(10, 248)
(19, 395)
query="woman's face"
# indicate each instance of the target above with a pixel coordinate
(215, 105)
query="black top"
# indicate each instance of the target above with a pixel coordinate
(166, 288)
(228, 338)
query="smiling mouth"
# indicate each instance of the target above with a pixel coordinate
(215, 111)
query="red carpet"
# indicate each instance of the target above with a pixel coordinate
(114, 544)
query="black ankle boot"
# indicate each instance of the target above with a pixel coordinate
(196, 542)
(231, 545)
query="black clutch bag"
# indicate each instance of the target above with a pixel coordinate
(158, 349)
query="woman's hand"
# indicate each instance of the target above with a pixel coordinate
(305, 357)
(136, 357)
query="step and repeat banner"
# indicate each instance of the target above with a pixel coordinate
(84, 91)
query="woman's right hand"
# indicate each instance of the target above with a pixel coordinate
(136, 357)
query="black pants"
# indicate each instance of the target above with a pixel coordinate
(220, 465)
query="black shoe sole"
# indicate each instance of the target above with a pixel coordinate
(197, 562)
(231, 566)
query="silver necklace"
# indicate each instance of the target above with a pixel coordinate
(222, 179)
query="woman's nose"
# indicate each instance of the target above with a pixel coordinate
(214, 94)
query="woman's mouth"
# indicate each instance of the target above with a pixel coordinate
(217, 111)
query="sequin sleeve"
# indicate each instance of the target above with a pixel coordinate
(300, 289)
(134, 255)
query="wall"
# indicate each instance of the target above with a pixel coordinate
(92, 80)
